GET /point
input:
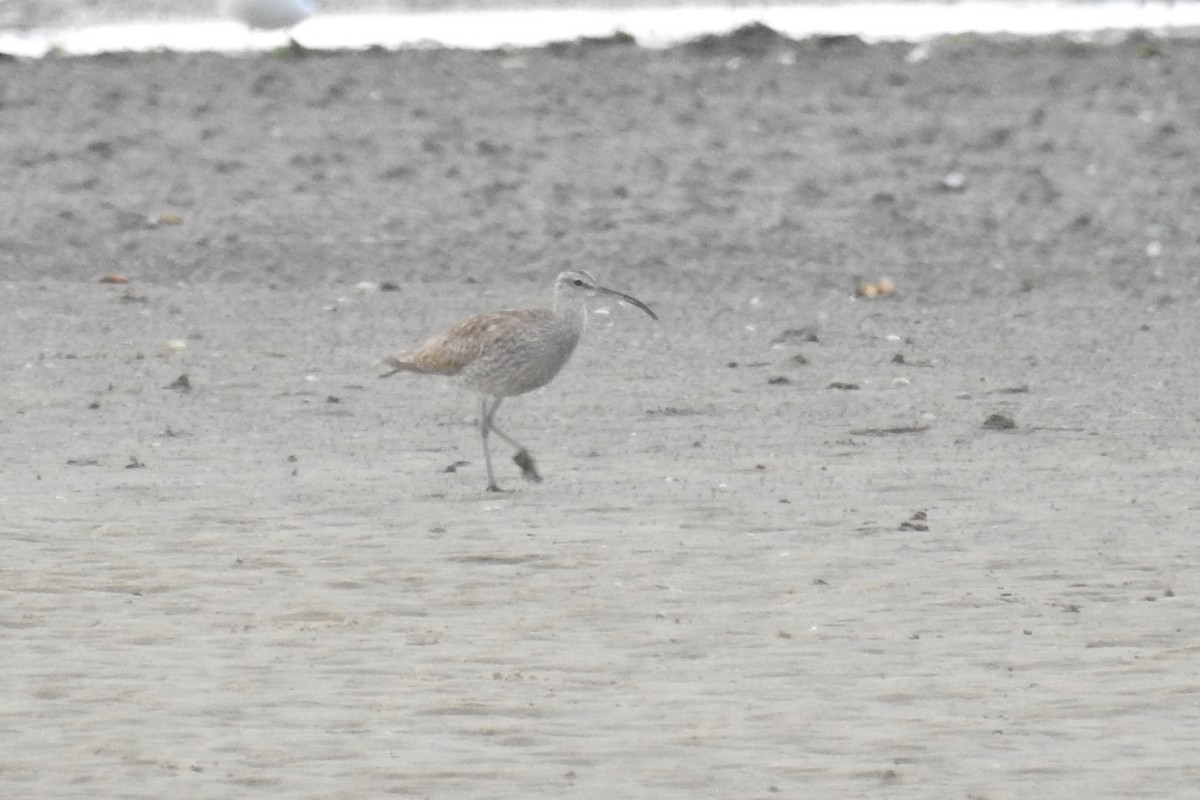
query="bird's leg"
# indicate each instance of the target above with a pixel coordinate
(485, 425)
(522, 458)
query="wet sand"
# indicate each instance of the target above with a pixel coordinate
(736, 580)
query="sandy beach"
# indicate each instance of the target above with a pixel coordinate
(777, 553)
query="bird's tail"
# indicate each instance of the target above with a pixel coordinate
(397, 366)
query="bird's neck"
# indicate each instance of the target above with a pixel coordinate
(572, 311)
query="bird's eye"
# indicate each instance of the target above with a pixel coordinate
(578, 282)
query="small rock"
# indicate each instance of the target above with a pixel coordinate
(953, 182)
(807, 333)
(180, 384)
(999, 422)
(884, 287)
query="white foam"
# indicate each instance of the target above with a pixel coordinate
(652, 27)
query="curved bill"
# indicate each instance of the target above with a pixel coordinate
(633, 301)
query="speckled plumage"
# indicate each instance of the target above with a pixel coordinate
(502, 354)
(508, 353)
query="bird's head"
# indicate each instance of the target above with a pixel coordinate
(578, 285)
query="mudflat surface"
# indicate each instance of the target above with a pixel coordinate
(736, 580)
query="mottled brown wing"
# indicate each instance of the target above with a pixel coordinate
(453, 351)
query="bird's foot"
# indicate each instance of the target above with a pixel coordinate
(494, 488)
(528, 469)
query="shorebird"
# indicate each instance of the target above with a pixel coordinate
(510, 353)
(268, 15)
